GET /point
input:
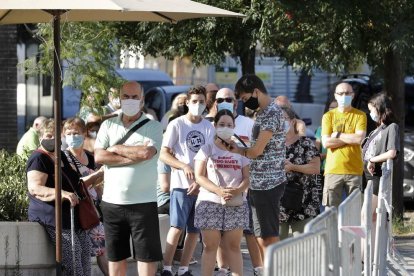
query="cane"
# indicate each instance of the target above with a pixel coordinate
(72, 236)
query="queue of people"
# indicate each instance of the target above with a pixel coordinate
(222, 179)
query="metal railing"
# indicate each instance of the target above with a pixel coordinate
(367, 226)
(305, 254)
(384, 241)
(327, 222)
(349, 238)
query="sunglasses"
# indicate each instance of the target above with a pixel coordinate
(346, 93)
(228, 100)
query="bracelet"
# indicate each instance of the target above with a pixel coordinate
(338, 134)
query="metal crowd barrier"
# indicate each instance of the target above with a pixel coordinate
(327, 222)
(384, 241)
(305, 254)
(349, 234)
(367, 226)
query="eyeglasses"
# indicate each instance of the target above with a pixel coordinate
(228, 100)
(346, 93)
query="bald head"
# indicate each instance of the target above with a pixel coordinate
(283, 101)
(132, 87)
(38, 122)
(226, 99)
(225, 93)
(343, 87)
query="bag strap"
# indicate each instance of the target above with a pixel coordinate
(63, 173)
(240, 140)
(132, 130)
(74, 162)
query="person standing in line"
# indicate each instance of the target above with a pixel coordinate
(225, 99)
(222, 175)
(302, 165)
(322, 150)
(30, 140)
(380, 145)
(129, 201)
(83, 162)
(267, 154)
(182, 140)
(211, 91)
(343, 130)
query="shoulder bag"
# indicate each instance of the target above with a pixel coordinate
(292, 198)
(88, 215)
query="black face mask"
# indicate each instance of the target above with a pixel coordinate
(48, 144)
(182, 109)
(252, 103)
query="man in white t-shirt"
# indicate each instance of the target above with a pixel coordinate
(225, 99)
(182, 140)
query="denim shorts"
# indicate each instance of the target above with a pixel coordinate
(182, 208)
(136, 221)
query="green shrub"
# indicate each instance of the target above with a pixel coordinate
(13, 189)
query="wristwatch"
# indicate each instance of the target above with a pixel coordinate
(338, 134)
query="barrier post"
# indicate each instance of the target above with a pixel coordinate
(350, 233)
(367, 225)
(305, 254)
(327, 222)
(384, 240)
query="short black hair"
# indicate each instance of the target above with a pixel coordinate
(248, 83)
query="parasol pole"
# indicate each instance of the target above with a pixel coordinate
(57, 93)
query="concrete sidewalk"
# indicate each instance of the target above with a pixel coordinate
(405, 246)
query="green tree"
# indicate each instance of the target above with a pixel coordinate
(89, 55)
(206, 41)
(338, 35)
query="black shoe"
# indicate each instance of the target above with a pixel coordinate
(166, 273)
(187, 273)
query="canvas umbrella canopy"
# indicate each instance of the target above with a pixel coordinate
(55, 11)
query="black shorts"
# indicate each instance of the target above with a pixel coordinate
(265, 211)
(374, 178)
(139, 221)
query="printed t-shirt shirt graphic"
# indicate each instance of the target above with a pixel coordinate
(185, 139)
(224, 168)
(267, 170)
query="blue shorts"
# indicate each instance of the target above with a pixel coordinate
(182, 208)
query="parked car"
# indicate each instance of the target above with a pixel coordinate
(160, 98)
(148, 78)
(364, 88)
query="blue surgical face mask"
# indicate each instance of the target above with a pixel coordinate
(374, 117)
(225, 105)
(344, 101)
(74, 141)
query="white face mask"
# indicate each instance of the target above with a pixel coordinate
(196, 109)
(224, 133)
(130, 107)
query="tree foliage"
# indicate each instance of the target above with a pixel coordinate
(89, 55)
(205, 40)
